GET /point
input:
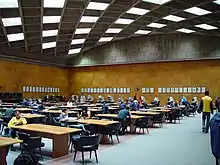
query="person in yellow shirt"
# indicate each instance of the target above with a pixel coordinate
(206, 107)
(17, 120)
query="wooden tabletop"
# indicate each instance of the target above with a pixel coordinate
(87, 105)
(94, 110)
(56, 130)
(31, 116)
(97, 122)
(155, 110)
(56, 111)
(23, 109)
(144, 113)
(115, 116)
(5, 141)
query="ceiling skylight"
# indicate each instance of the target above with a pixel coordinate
(11, 21)
(51, 19)
(142, 32)
(15, 37)
(183, 30)
(82, 30)
(78, 41)
(97, 6)
(89, 19)
(74, 51)
(124, 21)
(174, 18)
(8, 3)
(156, 25)
(47, 33)
(54, 3)
(137, 11)
(113, 30)
(49, 45)
(105, 39)
(159, 2)
(217, 2)
(206, 27)
(197, 11)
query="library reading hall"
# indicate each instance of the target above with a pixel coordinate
(83, 81)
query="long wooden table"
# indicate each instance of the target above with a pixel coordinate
(144, 113)
(59, 135)
(4, 143)
(32, 116)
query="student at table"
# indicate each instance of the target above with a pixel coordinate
(85, 113)
(15, 121)
(123, 115)
(64, 115)
(105, 109)
(10, 112)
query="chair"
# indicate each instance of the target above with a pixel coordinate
(24, 137)
(175, 114)
(158, 119)
(5, 121)
(142, 123)
(87, 144)
(56, 121)
(192, 110)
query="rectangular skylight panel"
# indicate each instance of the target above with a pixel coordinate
(15, 37)
(142, 32)
(8, 3)
(49, 45)
(159, 2)
(51, 19)
(156, 25)
(82, 30)
(137, 11)
(78, 41)
(217, 2)
(97, 6)
(74, 51)
(105, 39)
(206, 27)
(11, 21)
(124, 21)
(113, 30)
(197, 11)
(89, 19)
(47, 33)
(174, 18)
(54, 3)
(183, 30)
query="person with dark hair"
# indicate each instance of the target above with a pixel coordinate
(64, 115)
(15, 121)
(215, 132)
(85, 113)
(123, 115)
(206, 108)
(105, 108)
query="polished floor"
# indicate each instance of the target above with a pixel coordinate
(174, 144)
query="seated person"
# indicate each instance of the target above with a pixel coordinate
(10, 112)
(100, 99)
(134, 105)
(69, 103)
(15, 121)
(105, 108)
(110, 99)
(64, 115)
(123, 114)
(89, 98)
(122, 105)
(85, 113)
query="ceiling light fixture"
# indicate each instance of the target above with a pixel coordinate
(82, 30)
(137, 11)
(124, 21)
(54, 4)
(97, 6)
(159, 2)
(15, 21)
(78, 41)
(174, 18)
(74, 51)
(47, 33)
(217, 2)
(206, 26)
(15, 37)
(197, 11)
(113, 30)
(105, 39)
(89, 19)
(8, 3)
(142, 32)
(156, 25)
(49, 45)
(183, 30)
(51, 19)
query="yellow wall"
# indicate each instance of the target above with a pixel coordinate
(14, 75)
(169, 74)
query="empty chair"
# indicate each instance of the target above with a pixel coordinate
(142, 123)
(87, 144)
(24, 137)
(56, 121)
(158, 119)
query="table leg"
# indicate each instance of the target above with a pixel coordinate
(132, 127)
(60, 145)
(3, 154)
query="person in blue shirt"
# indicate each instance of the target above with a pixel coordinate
(124, 118)
(105, 108)
(215, 132)
(122, 105)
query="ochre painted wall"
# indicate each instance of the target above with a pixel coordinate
(14, 75)
(167, 74)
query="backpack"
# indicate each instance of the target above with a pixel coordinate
(26, 159)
